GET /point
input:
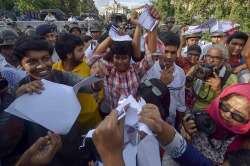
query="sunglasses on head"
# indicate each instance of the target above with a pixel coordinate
(235, 114)
(155, 90)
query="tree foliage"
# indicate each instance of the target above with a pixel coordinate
(197, 11)
(7, 4)
(67, 6)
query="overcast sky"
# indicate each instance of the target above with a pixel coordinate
(129, 3)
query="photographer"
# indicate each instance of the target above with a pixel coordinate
(223, 127)
(206, 81)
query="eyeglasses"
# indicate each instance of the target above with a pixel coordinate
(215, 58)
(235, 114)
(155, 90)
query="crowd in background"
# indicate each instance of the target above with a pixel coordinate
(197, 93)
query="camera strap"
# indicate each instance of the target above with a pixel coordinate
(225, 78)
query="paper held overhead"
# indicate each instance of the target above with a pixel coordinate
(146, 20)
(56, 108)
(113, 33)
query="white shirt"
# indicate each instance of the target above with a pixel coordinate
(50, 18)
(176, 87)
(3, 62)
(72, 19)
(55, 58)
(90, 50)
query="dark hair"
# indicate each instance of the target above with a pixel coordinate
(43, 29)
(30, 43)
(240, 157)
(194, 48)
(66, 43)
(122, 48)
(162, 101)
(169, 38)
(238, 35)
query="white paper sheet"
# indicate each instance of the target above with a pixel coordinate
(116, 37)
(149, 146)
(146, 20)
(56, 108)
(88, 81)
(132, 113)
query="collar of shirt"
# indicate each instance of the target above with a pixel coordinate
(82, 69)
(179, 76)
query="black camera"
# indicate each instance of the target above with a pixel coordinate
(204, 72)
(204, 122)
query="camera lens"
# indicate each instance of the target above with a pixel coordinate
(200, 73)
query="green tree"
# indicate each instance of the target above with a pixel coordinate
(165, 7)
(197, 11)
(67, 6)
(32, 5)
(88, 6)
(7, 4)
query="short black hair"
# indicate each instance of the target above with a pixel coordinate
(162, 101)
(169, 38)
(30, 43)
(122, 48)
(240, 157)
(66, 43)
(238, 35)
(194, 48)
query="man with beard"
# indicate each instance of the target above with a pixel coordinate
(71, 52)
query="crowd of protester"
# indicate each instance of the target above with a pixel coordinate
(198, 100)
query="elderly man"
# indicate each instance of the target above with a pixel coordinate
(207, 80)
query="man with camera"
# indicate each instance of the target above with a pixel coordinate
(205, 81)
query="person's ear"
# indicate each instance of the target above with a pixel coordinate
(22, 62)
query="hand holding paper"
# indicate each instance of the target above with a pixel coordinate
(108, 139)
(32, 87)
(151, 116)
(56, 108)
(149, 18)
